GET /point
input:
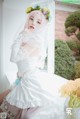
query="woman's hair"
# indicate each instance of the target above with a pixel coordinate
(44, 10)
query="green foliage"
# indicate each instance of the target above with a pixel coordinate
(77, 58)
(73, 20)
(73, 45)
(77, 69)
(78, 35)
(74, 102)
(64, 61)
(70, 30)
(72, 24)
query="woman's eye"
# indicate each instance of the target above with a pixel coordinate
(38, 22)
(31, 19)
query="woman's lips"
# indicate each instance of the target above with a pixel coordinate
(32, 27)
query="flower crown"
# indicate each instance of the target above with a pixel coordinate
(44, 10)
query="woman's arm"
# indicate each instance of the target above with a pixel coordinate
(30, 50)
(4, 94)
(15, 48)
(30, 46)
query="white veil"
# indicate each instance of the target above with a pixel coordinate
(47, 32)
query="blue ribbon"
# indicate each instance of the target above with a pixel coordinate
(17, 81)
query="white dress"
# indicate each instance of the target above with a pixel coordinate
(37, 88)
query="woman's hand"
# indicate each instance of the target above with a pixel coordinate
(19, 75)
(29, 50)
(23, 44)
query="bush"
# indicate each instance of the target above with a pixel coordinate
(73, 45)
(73, 20)
(77, 69)
(72, 24)
(70, 30)
(77, 58)
(64, 61)
(78, 35)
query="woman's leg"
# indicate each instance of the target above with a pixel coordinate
(1, 111)
(4, 94)
(12, 111)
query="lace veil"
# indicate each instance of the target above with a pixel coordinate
(45, 32)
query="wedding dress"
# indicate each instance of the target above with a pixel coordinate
(37, 88)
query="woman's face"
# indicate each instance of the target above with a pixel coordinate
(36, 20)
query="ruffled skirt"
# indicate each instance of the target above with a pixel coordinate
(36, 97)
(35, 89)
(44, 112)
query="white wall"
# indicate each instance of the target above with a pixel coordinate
(0, 35)
(3, 80)
(12, 14)
(13, 17)
(0, 43)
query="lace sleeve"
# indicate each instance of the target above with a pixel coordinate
(15, 48)
(33, 46)
(32, 49)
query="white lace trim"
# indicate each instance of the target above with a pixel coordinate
(28, 104)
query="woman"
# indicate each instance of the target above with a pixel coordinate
(33, 97)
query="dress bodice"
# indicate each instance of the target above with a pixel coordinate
(29, 55)
(26, 65)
